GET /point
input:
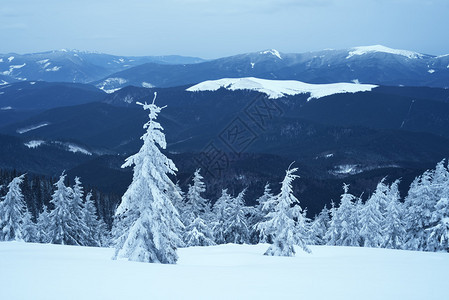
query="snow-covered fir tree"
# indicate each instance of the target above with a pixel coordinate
(438, 239)
(394, 226)
(97, 233)
(13, 212)
(236, 224)
(65, 226)
(221, 213)
(258, 213)
(198, 233)
(196, 205)
(319, 227)
(345, 218)
(286, 223)
(372, 220)
(77, 210)
(29, 228)
(147, 225)
(43, 226)
(419, 206)
(196, 215)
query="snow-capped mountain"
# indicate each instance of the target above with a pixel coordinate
(371, 64)
(73, 65)
(275, 89)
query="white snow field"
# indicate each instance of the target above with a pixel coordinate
(279, 88)
(44, 271)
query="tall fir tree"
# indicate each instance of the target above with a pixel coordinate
(438, 237)
(147, 223)
(221, 211)
(64, 223)
(13, 211)
(346, 216)
(286, 223)
(372, 219)
(43, 225)
(236, 224)
(97, 233)
(258, 214)
(394, 226)
(319, 227)
(419, 206)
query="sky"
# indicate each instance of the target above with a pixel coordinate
(217, 28)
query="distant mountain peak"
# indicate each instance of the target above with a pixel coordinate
(379, 48)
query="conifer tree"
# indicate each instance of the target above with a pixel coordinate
(286, 223)
(438, 239)
(147, 224)
(394, 226)
(43, 225)
(419, 206)
(65, 225)
(12, 212)
(221, 213)
(96, 234)
(197, 214)
(258, 214)
(319, 227)
(236, 224)
(372, 220)
(346, 216)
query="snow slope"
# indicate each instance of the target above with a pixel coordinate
(34, 271)
(379, 48)
(280, 88)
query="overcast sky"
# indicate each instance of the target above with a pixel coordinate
(216, 28)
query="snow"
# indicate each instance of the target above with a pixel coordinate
(252, 65)
(109, 85)
(54, 69)
(223, 272)
(329, 155)
(5, 107)
(280, 88)
(1, 60)
(44, 61)
(147, 85)
(431, 71)
(30, 128)
(272, 52)
(34, 144)
(12, 67)
(77, 149)
(379, 48)
(3, 83)
(346, 169)
(10, 59)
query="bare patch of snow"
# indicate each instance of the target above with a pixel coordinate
(1, 60)
(30, 128)
(431, 71)
(280, 88)
(34, 144)
(33, 82)
(10, 59)
(77, 149)
(147, 85)
(3, 82)
(112, 84)
(379, 48)
(356, 81)
(272, 52)
(252, 65)
(12, 68)
(42, 62)
(5, 107)
(54, 69)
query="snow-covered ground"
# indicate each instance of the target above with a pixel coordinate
(35, 271)
(280, 88)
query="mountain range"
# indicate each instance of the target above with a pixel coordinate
(353, 115)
